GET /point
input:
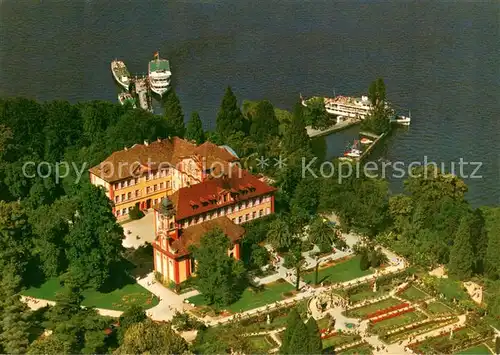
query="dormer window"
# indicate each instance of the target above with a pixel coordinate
(224, 198)
(193, 204)
(203, 201)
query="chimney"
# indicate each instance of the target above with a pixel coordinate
(146, 143)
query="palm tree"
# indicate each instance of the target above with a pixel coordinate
(279, 234)
(320, 233)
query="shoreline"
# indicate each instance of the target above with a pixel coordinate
(313, 133)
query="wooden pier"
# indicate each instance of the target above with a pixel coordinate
(143, 95)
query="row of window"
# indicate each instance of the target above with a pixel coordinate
(249, 217)
(135, 181)
(123, 211)
(225, 210)
(137, 193)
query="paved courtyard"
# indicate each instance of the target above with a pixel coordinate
(142, 228)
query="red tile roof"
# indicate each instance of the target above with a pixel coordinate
(200, 194)
(127, 163)
(191, 236)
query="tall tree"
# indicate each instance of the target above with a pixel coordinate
(492, 224)
(376, 92)
(134, 314)
(321, 234)
(174, 115)
(50, 225)
(149, 337)
(15, 237)
(14, 324)
(194, 130)
(62, 129)
(229, 119)
(462, 254)
(299, 343)
(279, 234)
(95, 240)
(220, 278)
(264, 123)
(292, 322)
(76, 329)
(296, 135)
(315, 345)
(134, 127)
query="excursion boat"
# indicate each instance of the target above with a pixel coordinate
(403, 120)
(159, 74)
(120, 73)
(366, 141)
(125, 97)
(352, 154)
(348, 106)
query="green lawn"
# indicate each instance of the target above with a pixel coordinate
(438, 308)
(367, 293)
(261, 344)
(250, 298)
(423, 328)
(452, 289)
(339, 340)
(361, 349)
(414, 294)
(403, 319)
(477, 350)
(344, 271)
(371, 308)
(119, 299)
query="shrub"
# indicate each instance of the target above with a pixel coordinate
(135, 213)
(364, 262)
(183, 321)
(260, 256)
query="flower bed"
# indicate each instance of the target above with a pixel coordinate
(415, 329)
(441, 341)
(389, 316)
(387, 310)
(327, 333)
(363, 310)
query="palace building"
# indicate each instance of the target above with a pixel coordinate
(145, 173)
(184, 217)
(193, 189)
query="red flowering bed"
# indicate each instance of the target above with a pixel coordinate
(325, 334)
(387, 310)
(403, 289)
(389, 316)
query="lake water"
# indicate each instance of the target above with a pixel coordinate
(439, 59)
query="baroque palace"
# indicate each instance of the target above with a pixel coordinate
(192, 189)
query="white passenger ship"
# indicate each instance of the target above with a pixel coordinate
(159, 74)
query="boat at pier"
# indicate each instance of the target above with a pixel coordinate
(348, 106)
(125, 97)
(403, 120)
(353, 153)
(159, 74)
(120, 73)
(143, 94)
(366, 141)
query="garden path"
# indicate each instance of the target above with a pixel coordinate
(37, 303)
(170, 302)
